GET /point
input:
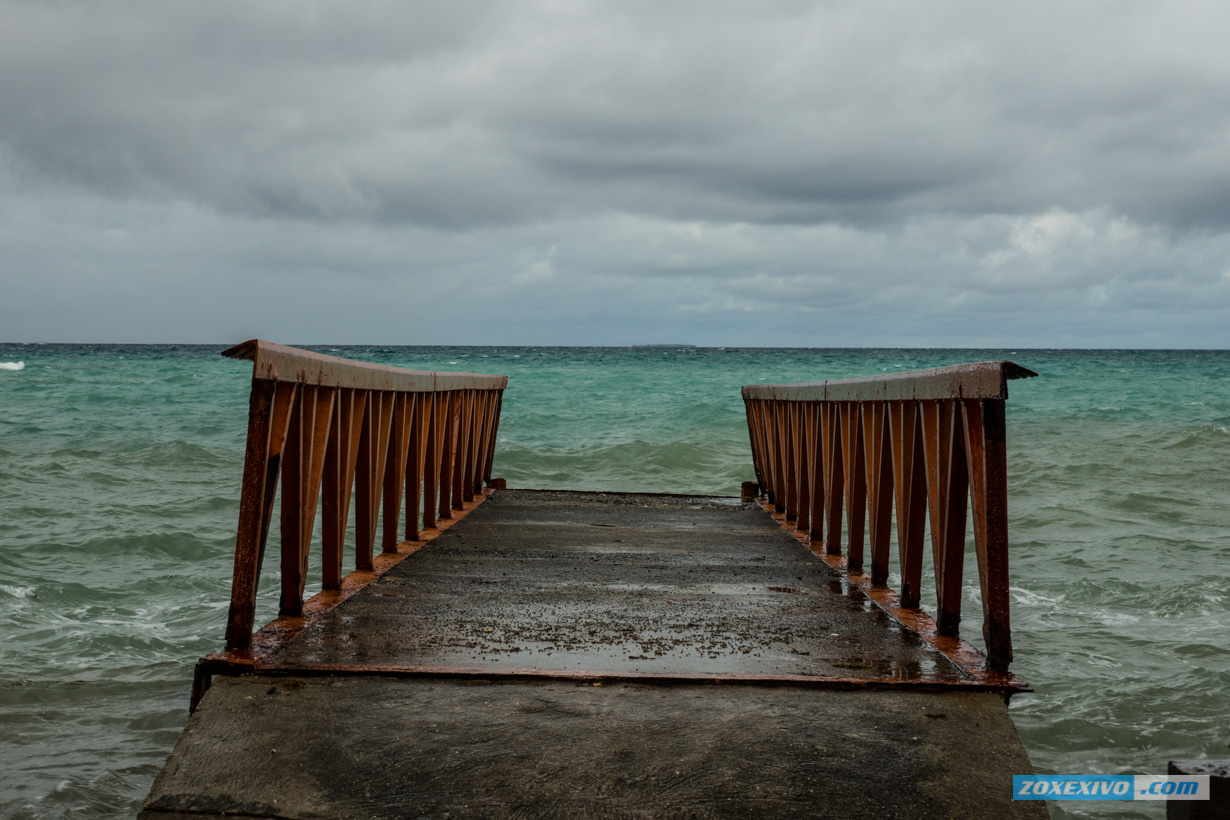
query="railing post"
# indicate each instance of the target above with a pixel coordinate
(985, 448)
(478, 418)
(790, 446)
(415, 467)
(815, 465)
(910, 488)
(803, 444)
(431, 475)
(753, 434)
(340, 462)
(249, 541)
(465, 406)
(491, 436)
(947, 491)
(777, 439)
(395, 471)
(856, 483)
(369, 479)
(447, 454)
(878, 453)
(302, 470)
(834, 475)
(766, 454)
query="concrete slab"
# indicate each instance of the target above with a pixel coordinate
(618, 583)
(380, 747)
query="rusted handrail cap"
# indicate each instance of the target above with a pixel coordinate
(980, 380)
(280, 363)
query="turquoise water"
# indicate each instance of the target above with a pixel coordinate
(119, 479)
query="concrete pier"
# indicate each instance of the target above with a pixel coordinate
(601, 655)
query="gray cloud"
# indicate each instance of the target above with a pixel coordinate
(596, 172)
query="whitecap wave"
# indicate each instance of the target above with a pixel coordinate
(12, 365)
(1025, 597)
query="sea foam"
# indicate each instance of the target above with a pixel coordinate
(12, 365)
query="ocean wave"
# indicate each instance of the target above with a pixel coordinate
(12, 365)
(1027, 598)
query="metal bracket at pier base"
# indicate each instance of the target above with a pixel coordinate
(749, 491)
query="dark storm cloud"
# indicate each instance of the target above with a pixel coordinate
(478, 112)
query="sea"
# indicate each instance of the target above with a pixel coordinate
(119, 484)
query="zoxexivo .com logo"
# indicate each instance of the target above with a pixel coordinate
(1110, 787)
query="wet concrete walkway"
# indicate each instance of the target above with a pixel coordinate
(559, 655)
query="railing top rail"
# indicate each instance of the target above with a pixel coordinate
(277, 362)
(980, 380)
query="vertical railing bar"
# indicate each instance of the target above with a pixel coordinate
(364, 486)
(790, 444)
(245, 578)
(358, 411)
(765, 477)
(834, 476)
(293, 479)
(445, 509)
(763, 429)
(783, 446)
(477, 439)
(948, 589)
(486, 402)
(333, 523)
(414, 468)
(935, 458)
(984, 429)
(478, 418)
(431, 475)
(749, 412)
(803, 466)
(464, 407)
(815, 462)
(301, 479)
(855, 483)
(381, 422)
(322, 424)
(777, 441)
(910, 487)
(772, 453)
(491, 437)
(284, 403)
(395, 470)
(879, 471)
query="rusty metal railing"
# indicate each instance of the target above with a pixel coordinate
(924, 441)
(331, 428)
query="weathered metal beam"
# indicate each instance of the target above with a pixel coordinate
(981, 380)
(290, 364)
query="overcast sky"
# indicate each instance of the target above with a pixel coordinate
(893, 172)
